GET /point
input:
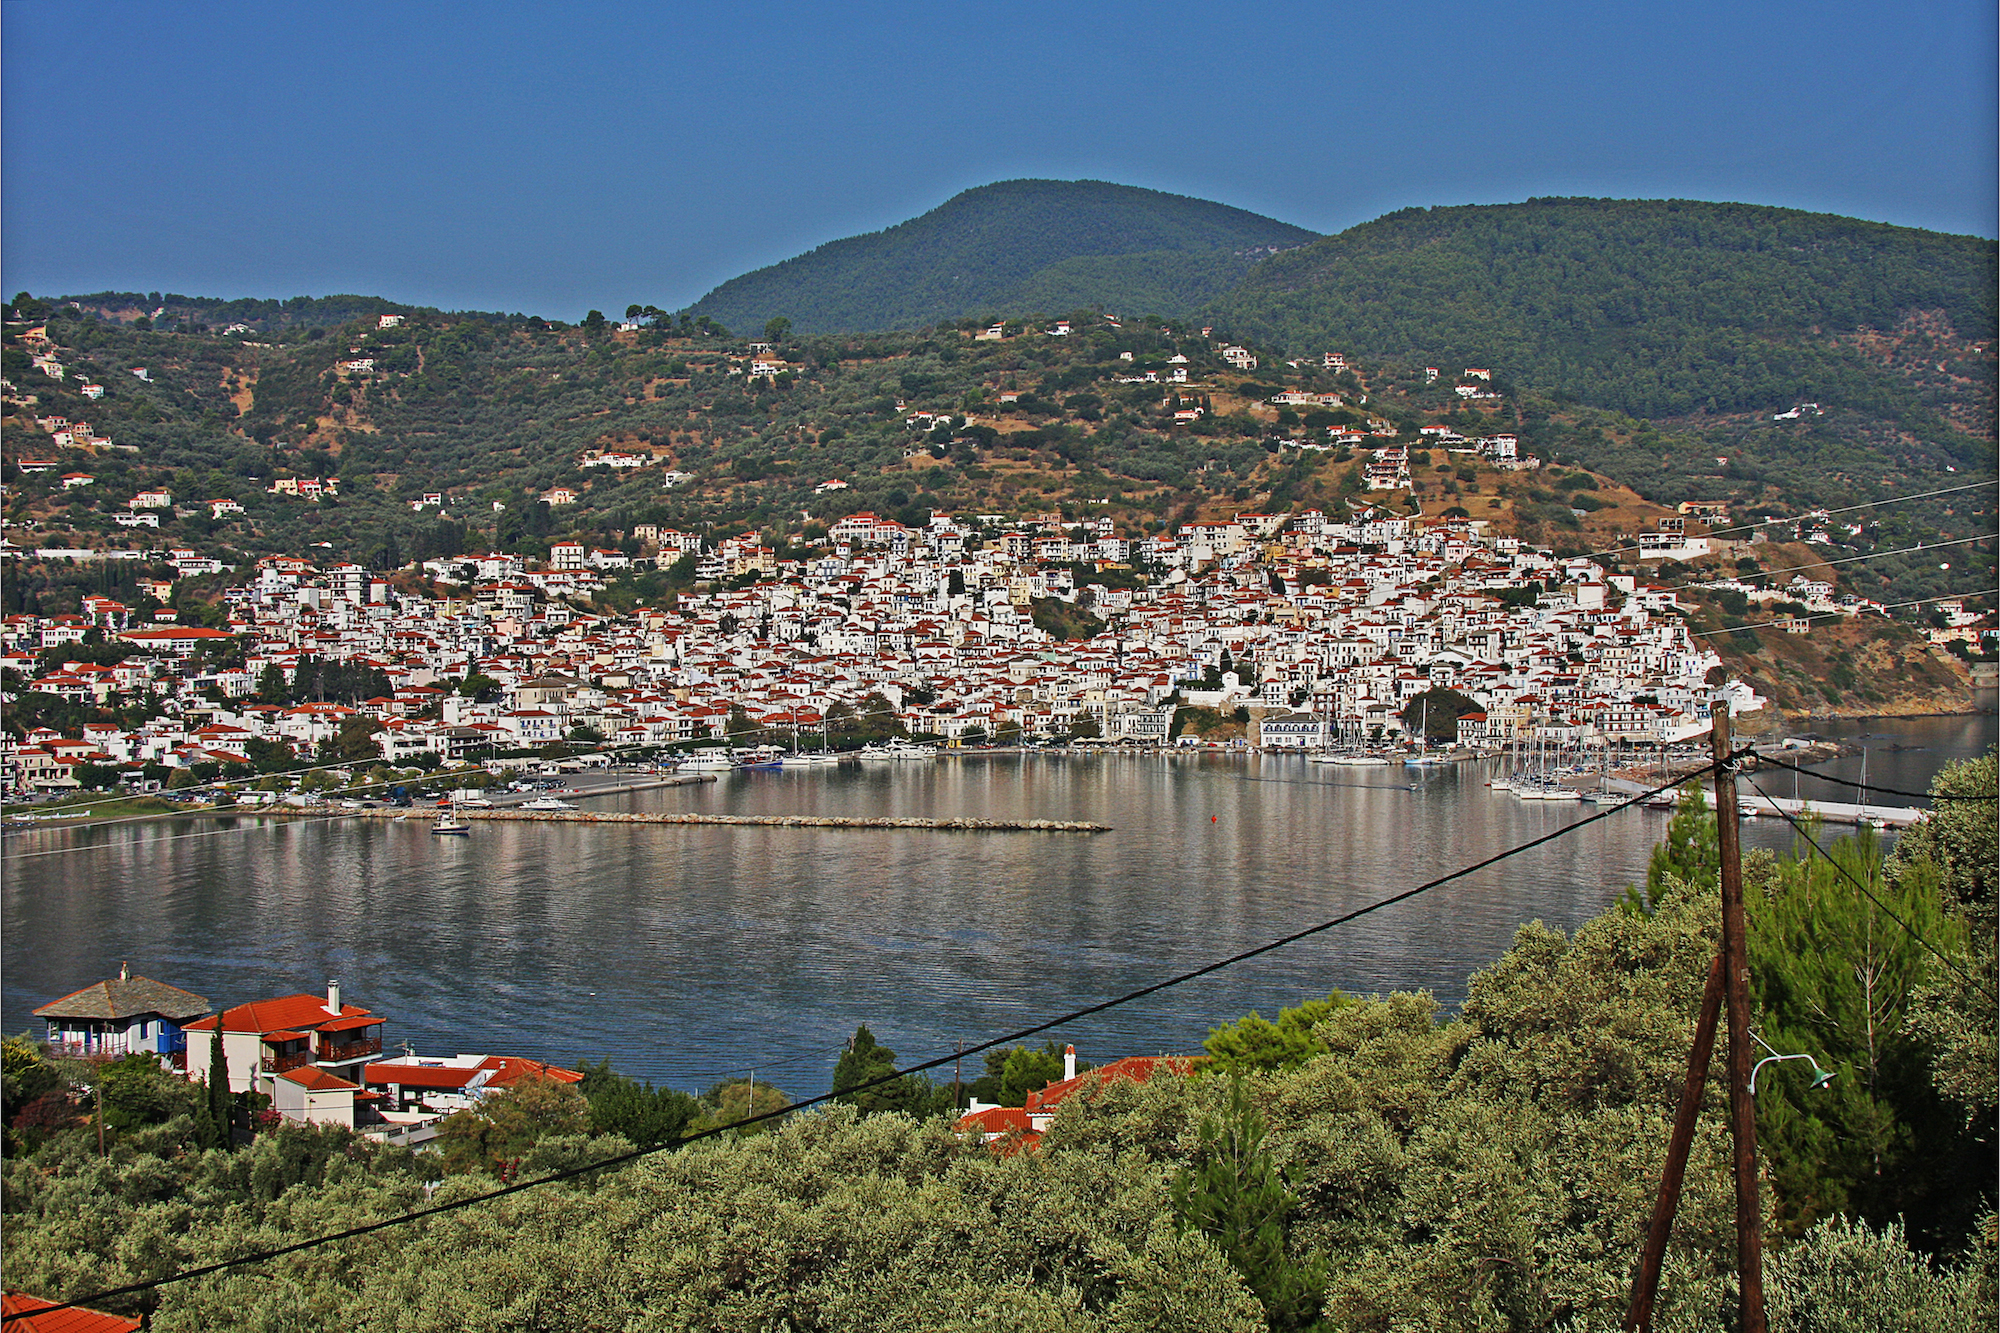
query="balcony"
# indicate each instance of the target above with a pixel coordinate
(340, 1052)
(278, 1064)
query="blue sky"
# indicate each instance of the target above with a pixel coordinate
(553, 158)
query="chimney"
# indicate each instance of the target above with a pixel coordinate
(124, 971)
(1069, 1062)
(333, 998)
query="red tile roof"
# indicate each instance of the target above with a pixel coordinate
(290, 1011)
(1137, 1068)
(15, 1303)
(314, 1079)
(419, 1076)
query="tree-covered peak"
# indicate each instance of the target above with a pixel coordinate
(999, 248)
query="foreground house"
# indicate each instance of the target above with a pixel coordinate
(267, 1039)
(123, 1016)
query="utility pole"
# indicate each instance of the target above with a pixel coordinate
(1728, 983)
(1640, 1314)
(1736, 994)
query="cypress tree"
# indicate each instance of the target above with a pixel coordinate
(219, 1100)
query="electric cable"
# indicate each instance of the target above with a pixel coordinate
(1842, 615)
(1867, 786)
(1011, 1038)
(1869, 893)
(1845, 509)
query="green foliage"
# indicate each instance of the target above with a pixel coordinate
(1015, 245)
(1958, 839)
(1835, 970)
(865, 1061)
(1688, 860)
(635, 1111)
(138, 1093)
(1650, 307)
(508, 1123)
(1437, 711)
(1254, 1043)
(1012, 1072)
(1234, 1194)
(1062, 620)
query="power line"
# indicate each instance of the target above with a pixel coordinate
(1846, 509)
(1887, 911)
(1850, 559)
(1867, 786)
(1842, 615)
(1010, 1038)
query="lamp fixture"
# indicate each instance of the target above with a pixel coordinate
(1821, 1077)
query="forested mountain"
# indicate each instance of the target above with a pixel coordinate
(1012, 247)
(1657, 308)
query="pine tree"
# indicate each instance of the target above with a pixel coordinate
(1238, 1199)
(864, 1061)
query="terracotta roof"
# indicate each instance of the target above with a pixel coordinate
(1137, 1068)
(314, 1079)
(126, 997)
(15, 1303)
(420, 1076)
(509, 1069)
(290, 1011)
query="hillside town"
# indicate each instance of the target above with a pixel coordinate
(1303, 630)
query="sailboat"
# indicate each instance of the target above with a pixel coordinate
(1423, 758)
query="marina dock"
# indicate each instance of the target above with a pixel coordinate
(1750, 804)
(749, 821)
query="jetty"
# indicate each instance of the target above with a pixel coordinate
(746, 821)
(1828, 812)
(1750, 804)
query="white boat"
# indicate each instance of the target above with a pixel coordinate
(820, 760)
(546, 803)
(899, 749)
(447, 825)
(707, 761)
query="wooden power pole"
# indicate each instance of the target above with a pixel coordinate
(1728, 986)
(1736, 1000)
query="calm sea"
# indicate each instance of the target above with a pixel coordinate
(690, 954)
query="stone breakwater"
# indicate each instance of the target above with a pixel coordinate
(756, 821)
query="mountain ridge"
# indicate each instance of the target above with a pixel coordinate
(988, 250)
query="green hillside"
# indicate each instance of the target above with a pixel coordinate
(1012, 247)
(1655, 308)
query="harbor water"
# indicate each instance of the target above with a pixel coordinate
(691, 953)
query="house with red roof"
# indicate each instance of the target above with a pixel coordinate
(267, 1038)
(1017, 1128)
(456, 1083)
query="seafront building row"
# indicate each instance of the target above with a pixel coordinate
(1317, 629)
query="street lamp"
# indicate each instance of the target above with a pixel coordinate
(1821, 1077)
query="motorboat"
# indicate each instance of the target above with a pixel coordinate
(449, 825)
(707, 761)
(546, 803)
